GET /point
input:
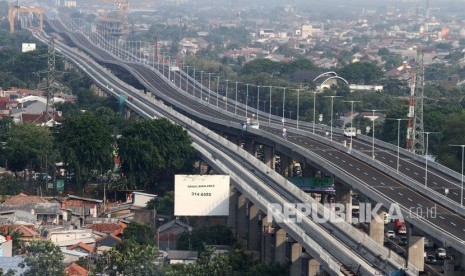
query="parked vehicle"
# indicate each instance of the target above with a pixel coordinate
(403, 241)
(441, 253)
(398, 224)
(390, 234)
(387, 218)
(431, 259)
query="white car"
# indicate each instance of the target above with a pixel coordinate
(441, 253)
(390, 234)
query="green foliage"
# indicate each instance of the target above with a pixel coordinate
(130, 258)
(213, 235)
(10, 272)
(85, 143)
(152, 150)
(452, 134)
(43, 258)
(276, 68)
(27, 146)
(140, 234)
(361, 73)
(164, 206)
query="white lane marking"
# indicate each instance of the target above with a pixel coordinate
(330, 153)
(409, 199)
(419, 204)
(357, 169)
(441, 217)
(435, 183)
(351, 165)
(382, 183)
(453, 224)
(343, 161)
(382, 157)
(365, 173)
(407, 169)
(455, 193)
(336, 157)
(391, 161)
(374, 178)
(391, 188)
(415, 173)
(400, 194)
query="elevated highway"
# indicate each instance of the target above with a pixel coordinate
(374, 178)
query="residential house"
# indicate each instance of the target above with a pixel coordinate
(169, 232)
(76, 270)
(62, 237)
(82, 247)
(182, 256)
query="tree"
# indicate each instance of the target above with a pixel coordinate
(130, 258)
(28, 146)
(154, 150)
(86, 144)
(140, 234)
(214, 235)
(164, 206)
(43, 258)
(361, 73)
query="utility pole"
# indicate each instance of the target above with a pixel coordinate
(49, 115)
(418, 145)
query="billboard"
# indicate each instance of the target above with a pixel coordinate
(27, 47)
(201, 195)
(313, 185)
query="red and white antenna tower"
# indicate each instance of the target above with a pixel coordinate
(411, 112)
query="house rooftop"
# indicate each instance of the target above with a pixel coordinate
(182, 255)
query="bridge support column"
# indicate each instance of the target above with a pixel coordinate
(269, 157)
(249, 146)
(296, 259)
(254, 229)
(128, 114)
(241, 226)
(232, 218)
(376, 231)
(344, 196)
(266, 245)
(286, 165)
(416, 250)
(458, 259)
(280, 246)
(313, 267)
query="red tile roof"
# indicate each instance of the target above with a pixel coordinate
(76, 270)
(23, 199)
(105, 227)
(83, 246)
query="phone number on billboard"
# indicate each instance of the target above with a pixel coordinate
(201, 194)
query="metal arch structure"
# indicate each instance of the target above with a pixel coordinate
(17, 10)
(334, 74)
(337, 78)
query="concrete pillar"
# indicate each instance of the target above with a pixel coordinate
(280, 246)
(266, 246)
(232, 218)
(249, 146)
(241, 226)
(416, 251)
(377, 230)
(254, 229)
(313, 267)
(285, 165)
(344, 196)
(268, 153)
(296, 259)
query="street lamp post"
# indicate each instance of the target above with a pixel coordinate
(187, 78)
(351, 118)
(461, 193)
(201, 84)
(373, 118)
(258, 100)
(332, 106)
(426, 156)
(269, 114)
(235, 105)
(217, 89)
(193, 85)
(398, 140)
(247, 101)
(314, 110)
(226, 103)
(284, 100)
(209, 87)
(298, 104)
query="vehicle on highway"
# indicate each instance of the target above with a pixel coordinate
(350, 132)
(402, 230)
(387, 218)
(441, 253)
(297, 169)
(255, 124)
(403, 241)
(431, 259)
(390, 234)
(398, 224)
